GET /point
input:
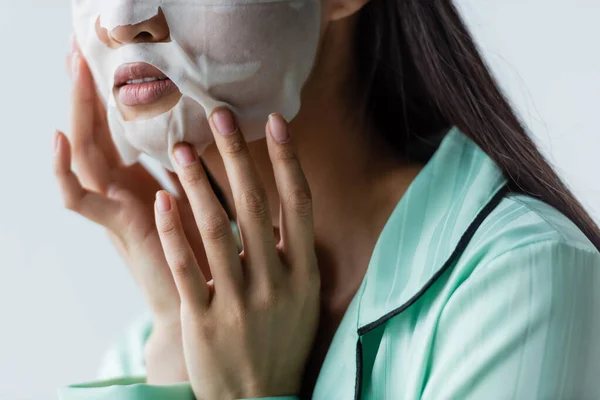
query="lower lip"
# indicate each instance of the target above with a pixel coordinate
(145, 93)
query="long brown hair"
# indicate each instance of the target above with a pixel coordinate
(419, 72)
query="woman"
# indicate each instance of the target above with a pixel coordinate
(436, 254)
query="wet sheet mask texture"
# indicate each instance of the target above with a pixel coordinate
(252, 56)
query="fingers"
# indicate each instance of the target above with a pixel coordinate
(252, 207)
(105, 141)
(191, 284)
(179, 191)
(94, 152)
(296, 223)
(212, 221)
(89, 158)
(102, 137)
(88, 204)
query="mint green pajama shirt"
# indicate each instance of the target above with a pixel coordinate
(472, 292)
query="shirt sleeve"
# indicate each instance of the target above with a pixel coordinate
(122, 373)
(129, 388)
(136, 389)
(523, 326)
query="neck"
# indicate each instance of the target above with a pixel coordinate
(355, 185)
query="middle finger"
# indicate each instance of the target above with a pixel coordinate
(251, 203)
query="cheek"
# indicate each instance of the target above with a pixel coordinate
(275, 30)
(277, 35)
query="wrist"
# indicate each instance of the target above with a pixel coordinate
(167, 321)
(163, 352)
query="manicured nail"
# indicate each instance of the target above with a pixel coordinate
(279, 129)
(224, 122)
(185, 155)
(75, 64)
(163, 202)
(56, 141)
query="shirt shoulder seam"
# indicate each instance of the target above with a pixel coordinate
(553, 227)
(549, 241)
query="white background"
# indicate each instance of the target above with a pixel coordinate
(65, 294)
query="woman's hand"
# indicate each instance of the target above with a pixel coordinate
(121, 199)
(248, 332)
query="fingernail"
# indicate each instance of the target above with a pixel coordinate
(56, 141)
(75, 62)
(224, 121)
(279, 129)
(185, 155)
(163, 202)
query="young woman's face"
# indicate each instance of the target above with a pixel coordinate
(239, 51)
(163, 66)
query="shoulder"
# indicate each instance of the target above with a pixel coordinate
(521, 314)
(125, 356)
(527, 251)
(527, 245)
(521, 225)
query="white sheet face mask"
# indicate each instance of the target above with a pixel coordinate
(252, 56)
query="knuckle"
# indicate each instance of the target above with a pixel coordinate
(215, 226)
(235, 145)
(300, 201)
(199, 317)
(81, 148)
(208, 328)
(167, 227)
(267, 299)
(99, 124)
(59, 173)
(114, 191)
(236, 317)
(71, 203)
(181, 265)
(306, 274)
(254, 202)
(313, 281)
(193, 177)
(285, 153)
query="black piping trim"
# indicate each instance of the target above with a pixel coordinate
(359, 368)
(460, 247)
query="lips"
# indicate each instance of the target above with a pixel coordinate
(141, 84)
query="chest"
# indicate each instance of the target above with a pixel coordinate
(390, 362)
(328, 326)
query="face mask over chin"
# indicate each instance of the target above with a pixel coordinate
(252, 56)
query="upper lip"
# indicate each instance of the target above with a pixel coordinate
(132, 71)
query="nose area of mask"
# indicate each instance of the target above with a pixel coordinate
(252, 56)
(114, 13)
